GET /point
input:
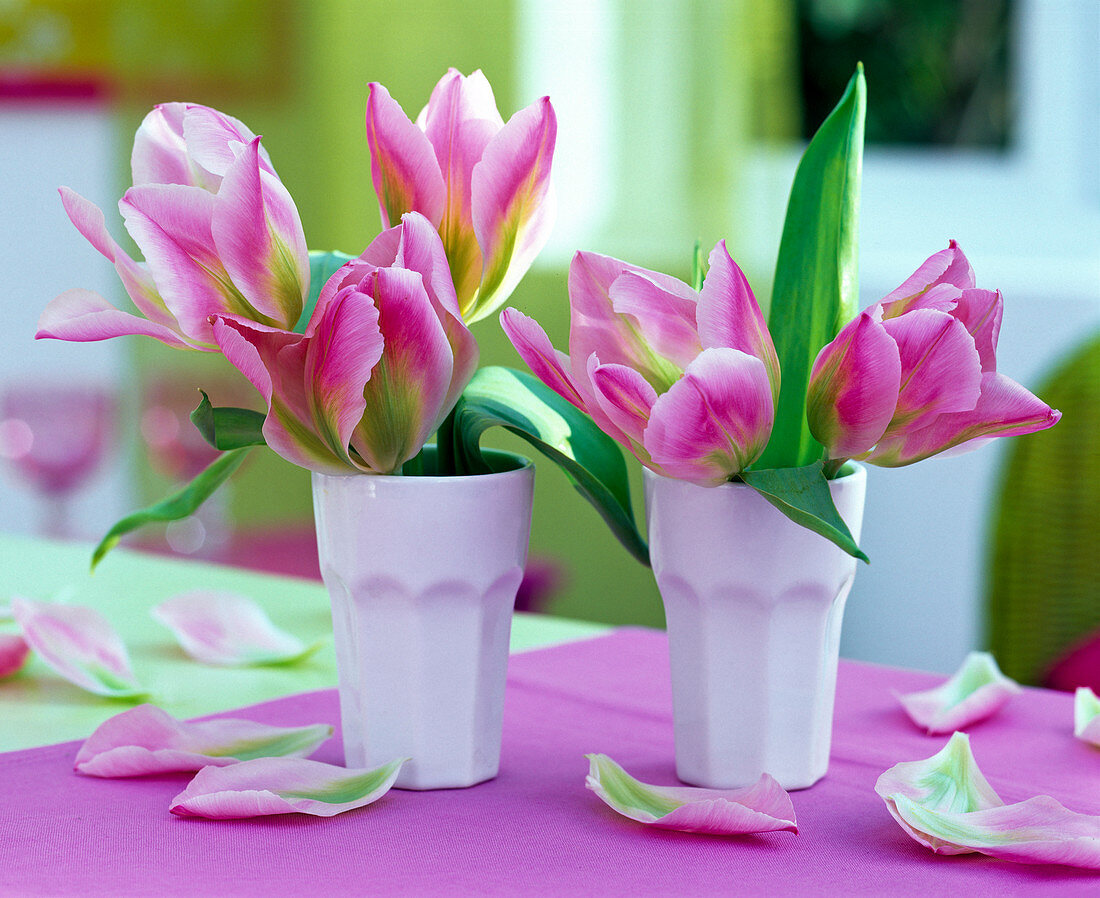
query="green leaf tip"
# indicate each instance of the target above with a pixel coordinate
(177, 506)
(816, 288)
(803, 495)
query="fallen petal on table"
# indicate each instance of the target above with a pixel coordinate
(282, 786)
(146, 740)
(1086, 716)
(80, 645)
(946, 804)
(976, 691)
(228, 630)
(762, 807)
(13, 654)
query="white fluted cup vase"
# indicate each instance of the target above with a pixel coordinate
(753, 605)
(422, 573)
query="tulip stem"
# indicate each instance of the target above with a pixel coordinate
(833, 466)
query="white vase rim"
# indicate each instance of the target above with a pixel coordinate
(860, 473)
(522, 465)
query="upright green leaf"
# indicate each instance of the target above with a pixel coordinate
(816, 287)
(802, 494)
(519, 402)
(228, 428)
(177, 506)
(322, 266)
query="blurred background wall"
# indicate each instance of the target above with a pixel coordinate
(678, 121)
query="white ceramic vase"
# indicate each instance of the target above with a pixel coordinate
(422, 573)
(753, 604)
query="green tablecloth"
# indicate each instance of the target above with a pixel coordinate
(37, 707)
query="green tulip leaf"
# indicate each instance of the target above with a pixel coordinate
(816, 289)
(802, 494)
(322, 266)
(228, 428)
(179, 505)
(523, 405)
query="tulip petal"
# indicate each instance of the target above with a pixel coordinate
(407, 389)
(421, 250)
(549, 365)
(595, 327)
(171, 224)
(1037, 831)
(729, 315)
(83, 316)
(853, 388)
(665, 318)
(512, 203)
(259, 239)
(160, 152)
(945, 804)
(80, 645)
(625, 397)
(1086, 716)
(948, 266)
(90, 222)
(459, 121)
(714, 421)
(146, 740)
(949, 781)
(940, 368)
(976, 691)
(404, 168)
(340, 357)
(281, 786)
(763, 807)
(214, 139)
(274, 363)
(1004, 409)
(980, 311)
(13, 654)
(229, 630)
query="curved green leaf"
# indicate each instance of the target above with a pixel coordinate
(228, 428)
(816, 287)
(322, 266)
(802, 494)
(177, 506)
(519, 402)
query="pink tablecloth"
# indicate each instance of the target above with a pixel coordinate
(536, 830)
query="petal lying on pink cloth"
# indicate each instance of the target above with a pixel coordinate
(281, 786)
(1086, 716)
(228, 630)
(949, 781)
(977, 690)
(763, 807)
(13, 654)
(146, 740)
(1037, 831)
(80, 645)
(945, 804)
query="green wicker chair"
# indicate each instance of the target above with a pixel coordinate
(1043, 582)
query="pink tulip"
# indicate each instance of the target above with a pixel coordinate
(483, 183)
(220, 235)
(686, 381)
(916, 374)
(382, 361)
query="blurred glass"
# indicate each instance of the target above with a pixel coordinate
(55, 438)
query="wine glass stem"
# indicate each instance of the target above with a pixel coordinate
(55, 517)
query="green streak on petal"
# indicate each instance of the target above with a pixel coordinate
(953, 780)
(280, 745)
(1086, 707)
(624, 793)
(350, 788)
